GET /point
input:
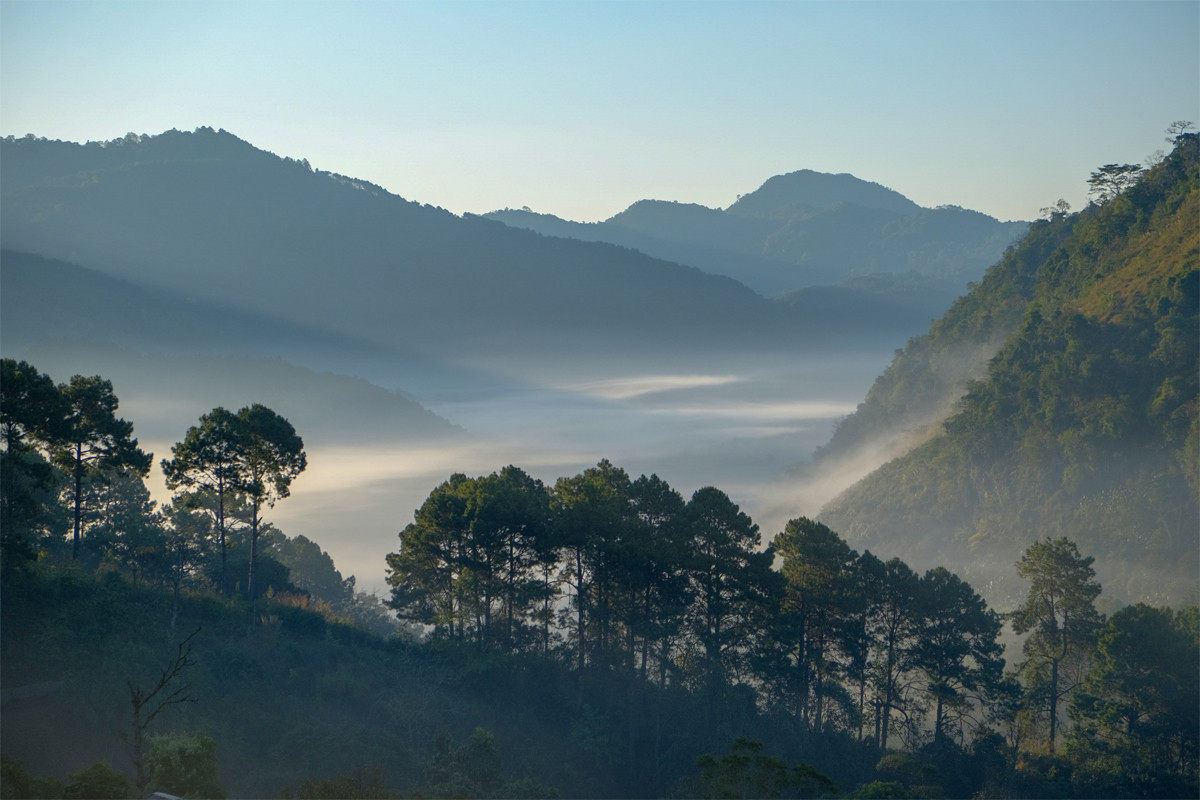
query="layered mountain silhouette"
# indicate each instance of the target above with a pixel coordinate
(209, 216)
(801, 230)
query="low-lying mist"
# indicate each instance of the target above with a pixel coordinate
(740, 427)
(741, 422)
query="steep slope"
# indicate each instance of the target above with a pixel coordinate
(1085, 422)
(210, 215)
(919, 389)
(799, 230)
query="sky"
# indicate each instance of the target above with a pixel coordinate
(581, 108)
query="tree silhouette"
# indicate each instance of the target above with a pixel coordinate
(1060, 616)
(204, 462)
(1113, 179)
(268, 456)
(95, 440)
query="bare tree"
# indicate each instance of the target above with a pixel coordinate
(1055, 211)
(148, 704)
(1178, 128)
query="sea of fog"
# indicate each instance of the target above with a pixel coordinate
(735, 423)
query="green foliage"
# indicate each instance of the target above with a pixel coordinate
(881, 790)
(97, 781)
(1060, 616)
(95, 441)
(1137, 714)
(475, 769)
(32, 414)
(958, 651)
(183, 765)
(474, 563)
(745, 771)
(361, 784)
(817, 630)
(204, 465)
(16, 782)
(230, 462)
(732, 583)
(1112, 179)
(1085, 422)
(73, 427)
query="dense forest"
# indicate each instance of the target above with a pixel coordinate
(601, 636)
(1077, 357)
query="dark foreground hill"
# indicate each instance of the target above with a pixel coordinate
(208, 215)
(1083, 424)
(294, 698)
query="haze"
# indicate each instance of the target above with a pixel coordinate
(577, 110)
(581, 108)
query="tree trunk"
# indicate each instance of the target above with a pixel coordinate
(937, 721)
(579, 601)
(221, 533)
(1053, 702)
(78, 501)
(254, 521)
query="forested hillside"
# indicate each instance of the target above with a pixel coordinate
(1084, 423)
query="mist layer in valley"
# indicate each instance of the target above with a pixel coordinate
(375, 454)
(406, 344)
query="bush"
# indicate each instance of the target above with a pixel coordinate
(185, 766)
(99, 781)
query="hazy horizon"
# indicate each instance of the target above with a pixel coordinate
(580, 109)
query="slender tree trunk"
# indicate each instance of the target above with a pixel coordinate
(888, 698)
(546, 611)
(878, 724)
(937, 721)
(78, 501)
(512, 596)
(488, 637)
(862, 702)
(579, 603)
(889, 687)
(1053, 702)
(663, 654)
(176, 584)
(139, 738)
(221, 533)
(254, 521)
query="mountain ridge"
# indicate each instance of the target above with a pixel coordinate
(800, 230)
(220, 213)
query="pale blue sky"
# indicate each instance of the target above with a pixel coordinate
(581, 108)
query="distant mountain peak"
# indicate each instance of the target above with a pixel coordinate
(785, 194)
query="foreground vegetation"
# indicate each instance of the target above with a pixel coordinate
(598, 637)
